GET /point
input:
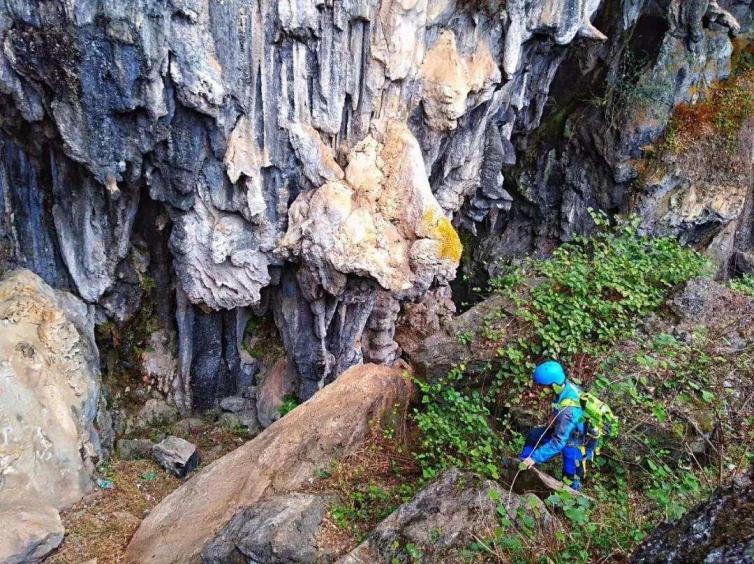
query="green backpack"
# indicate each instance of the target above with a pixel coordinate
(599, 418)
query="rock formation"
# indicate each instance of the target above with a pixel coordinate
(311, 156)
(281, 459)
(49, 402)
(718, 530)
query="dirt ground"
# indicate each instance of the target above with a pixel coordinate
(101, 525)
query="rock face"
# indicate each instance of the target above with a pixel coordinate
(718, 530)
(444, 518)
(308, 155)
(49, 403)
(280, 530)
(281, 459)
(597, 150)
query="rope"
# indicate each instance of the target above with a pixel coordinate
(542, 436)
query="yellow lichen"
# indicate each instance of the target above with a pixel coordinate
(450, 243)
(444, 233)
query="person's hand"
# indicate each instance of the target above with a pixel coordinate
(526, 463)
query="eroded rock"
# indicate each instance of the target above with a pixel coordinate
(718, 530)
(176, 455)
(279, 530)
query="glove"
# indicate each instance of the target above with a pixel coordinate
(525, 464)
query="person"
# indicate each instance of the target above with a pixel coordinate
(564, 433)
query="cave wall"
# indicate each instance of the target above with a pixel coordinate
(307, 160)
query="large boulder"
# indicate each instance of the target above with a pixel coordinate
(445, 517)
(49, 400)
(718, 530)
(332, 424)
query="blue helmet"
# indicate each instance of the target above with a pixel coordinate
(549, 373)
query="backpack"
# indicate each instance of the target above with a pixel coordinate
(600, 421)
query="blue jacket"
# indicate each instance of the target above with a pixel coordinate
(568, 428)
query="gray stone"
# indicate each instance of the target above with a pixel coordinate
(445, 517)
(234, 404)
(717, 530)
(243, 419)
(156, 413)
(176, 455)
(133, 449)
(189, 426)
(279, 530)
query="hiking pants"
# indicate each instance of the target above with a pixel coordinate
(573, 469)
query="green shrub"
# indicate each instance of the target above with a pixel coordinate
(455, 429)
(290, 402)
(596, 288)
(743, 285)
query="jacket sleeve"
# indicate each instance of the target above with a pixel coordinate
(564, 426)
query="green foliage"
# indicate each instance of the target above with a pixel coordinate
(743, 285)
(595, 288)
(589, 295)
(455, 429)
(290, 402)
(367, 505)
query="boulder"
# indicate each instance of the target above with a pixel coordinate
(277, 383)
(33, 533)
(176, 455)
(133, 449)
(234, 404)
(247, 419)
(49, 401)
(156, 413)
(280, 530)
(445, 517)
(435, 343)
(333, 424)
(718, 530)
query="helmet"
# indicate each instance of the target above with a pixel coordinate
(549, 373)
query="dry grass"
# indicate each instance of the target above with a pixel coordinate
(384, 463)
(101, 525)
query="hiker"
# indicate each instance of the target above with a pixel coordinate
(564, 433)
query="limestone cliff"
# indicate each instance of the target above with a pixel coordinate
(310, 160)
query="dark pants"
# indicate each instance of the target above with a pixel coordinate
(573, 468)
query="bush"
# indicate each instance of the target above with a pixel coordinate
(455, 429)
(590, 294)
(595, 288)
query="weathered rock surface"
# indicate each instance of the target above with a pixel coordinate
(49, 403)
(596, 153)
(176, 455)
(718, 530)
(272, 389)
(318, 149)
(445, 517)
(279, 530)
(133, 449)
(280, 459)
(435, 341)
(155, 413)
